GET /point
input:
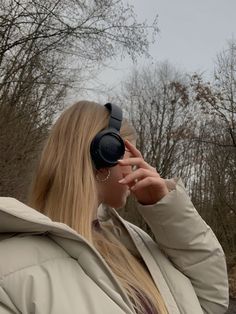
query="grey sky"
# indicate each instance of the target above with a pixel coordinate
(191, 33)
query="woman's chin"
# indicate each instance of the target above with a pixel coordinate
(120, 203)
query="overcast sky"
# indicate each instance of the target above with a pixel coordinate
(191, 33)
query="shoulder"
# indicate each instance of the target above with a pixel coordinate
(25, 237)
(23, 251)
(39, 275)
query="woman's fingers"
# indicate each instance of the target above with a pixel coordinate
(146, 182)
(138, 175)
(135, 161)
(134, 151)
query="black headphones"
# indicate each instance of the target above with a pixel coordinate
(108, 146)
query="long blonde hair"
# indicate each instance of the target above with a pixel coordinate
(64, 188)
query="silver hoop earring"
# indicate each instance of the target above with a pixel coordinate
(104, 179)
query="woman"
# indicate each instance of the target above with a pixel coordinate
(79, 256)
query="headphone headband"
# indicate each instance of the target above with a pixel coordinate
(116, 116)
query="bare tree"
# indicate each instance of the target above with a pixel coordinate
(185, 129)
(157, 103)
(216, 191)
(46, 47)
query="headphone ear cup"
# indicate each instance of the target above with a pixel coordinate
(106, 148)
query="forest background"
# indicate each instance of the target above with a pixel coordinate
(186, 124)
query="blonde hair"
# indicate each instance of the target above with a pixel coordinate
(64, 188)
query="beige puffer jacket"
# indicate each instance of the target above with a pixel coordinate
(47, 268)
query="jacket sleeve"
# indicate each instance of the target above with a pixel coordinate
(191, 246)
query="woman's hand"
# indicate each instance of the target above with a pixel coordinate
(144, 182)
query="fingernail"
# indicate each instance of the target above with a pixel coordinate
(121, 181)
